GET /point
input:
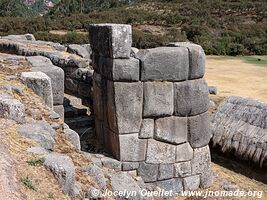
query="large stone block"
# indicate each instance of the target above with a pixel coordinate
(191, 98)
(199, 130)
(175, 185)
(182, 169)
(117, 69)
(124, 106)
(132, 148)
(196, 59)
(171, 129)
(147, 129)
(148, 172)
(191, 182)
(59, 109)
(164, 64)
(158, 99)
(40, 83)
(165, 171)
(184, 152)
(201, 160)
(111, 40)
(160, 152)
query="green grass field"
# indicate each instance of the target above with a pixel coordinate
(258, 60)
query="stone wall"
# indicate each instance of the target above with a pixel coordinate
(151, 110)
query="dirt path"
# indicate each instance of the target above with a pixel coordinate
(234, 77)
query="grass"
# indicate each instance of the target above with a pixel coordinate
(28, 183)
(36, 161)
(258, 60)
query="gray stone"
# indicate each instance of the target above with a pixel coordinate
(78, 50)
(147, 129)
(111, 40)
(206, 179)
(201, 161)
(158, 99)
(111, 163)
(39, 61)
(14, 89)
(97, 174)
(30, 37)
(38, 150)
(117, 69)
(191, 98)
(39, 131)
(160, 152)
(174, 185)
(132, 148)
(171, 129)
(57, 79)
(148, 172)
(94, 193)
(184, 152)
(134, 52)
(164, 64)
(59, 109)
(73, 138)
(97, 161)
(11, 108)
(213, 90)
(165, 171)
(182, 169)
(196, 59)
(124, 108)
(199, 130)
(191, 182)
(129, 166)
(40, 83)
(123, 182)
(63, 169)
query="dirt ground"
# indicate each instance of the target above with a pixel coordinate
(234, 77)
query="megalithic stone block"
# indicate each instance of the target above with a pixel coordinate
(124, 108)
(164, 64)
(184, 152)
(201, 160)
(191, 98)
(111, 40)
(158, 99)
(171, 129)
(40, 83)
(199, 130)
(197, 59)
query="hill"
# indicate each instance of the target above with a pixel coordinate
(222, 27)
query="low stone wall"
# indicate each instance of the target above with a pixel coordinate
(151, 111)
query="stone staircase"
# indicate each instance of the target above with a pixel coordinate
(79, 118)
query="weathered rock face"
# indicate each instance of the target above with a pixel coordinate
(239, 125)
(151, 110)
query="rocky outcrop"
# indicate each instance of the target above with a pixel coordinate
(239, 126)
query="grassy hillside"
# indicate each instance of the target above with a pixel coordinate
(225, 27)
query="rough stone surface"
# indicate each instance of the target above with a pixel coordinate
(158, 99)
(111, 163)
(11, 108)
(98, 96)
(73, 138)
(111, 40)
(60, 110)
(182, 169)
(40, 83)
(147, 129)
(63, 169)
(213, 90)
(149, 172)
(206, 179)
(132, 148)
(160, 152)
(165, 171)
(39, 131)
(201, 160)
(129, 166)
(97, 174)
(38, 61)
(171, 129)
(124, 117)
(199, 130)
(191, 182)
(196, 59)
(117, 69)
(174, 185)
(79, 50)
(184, 152)
(94, 193)
(164, 64)
(124, 182)
(191, 98)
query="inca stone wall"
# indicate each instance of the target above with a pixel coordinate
(151, 110)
